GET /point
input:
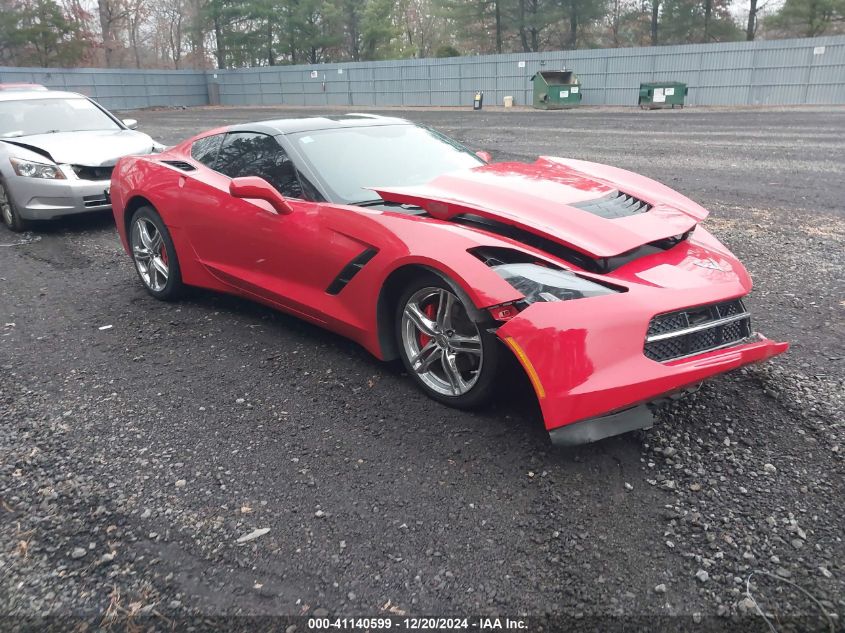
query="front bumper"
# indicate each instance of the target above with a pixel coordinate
(41, 199)
(585, 359)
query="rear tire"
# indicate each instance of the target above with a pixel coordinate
(448, 353)
(11, 216)
(154, 255)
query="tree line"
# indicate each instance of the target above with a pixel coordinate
(240, 33)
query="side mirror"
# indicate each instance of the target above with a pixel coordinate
(132, 124)
(255, 187)
(485, 156)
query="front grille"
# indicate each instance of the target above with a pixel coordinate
(97, 200)
(697, 330)
(614, 205)
(84, 172)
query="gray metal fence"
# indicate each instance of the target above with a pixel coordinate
(120, 89)
(773, 72)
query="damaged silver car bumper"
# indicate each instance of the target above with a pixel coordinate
(42, 199)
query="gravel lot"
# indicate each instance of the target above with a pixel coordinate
(133, 458)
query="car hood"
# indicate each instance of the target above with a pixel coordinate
(99, 148)
(556, 199)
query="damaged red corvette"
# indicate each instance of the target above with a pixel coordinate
(600, 282)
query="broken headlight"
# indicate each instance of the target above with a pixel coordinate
(539, 283)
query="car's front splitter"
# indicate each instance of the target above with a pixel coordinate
(585, 358)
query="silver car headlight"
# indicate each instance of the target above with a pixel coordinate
(539, 283)
(30, 169)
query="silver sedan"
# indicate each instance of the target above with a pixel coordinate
(57, 151)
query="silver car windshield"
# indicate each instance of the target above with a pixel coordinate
(351, 159)
(43, 116)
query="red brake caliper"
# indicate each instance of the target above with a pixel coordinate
(430, 311)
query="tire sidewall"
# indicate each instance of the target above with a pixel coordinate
(173, 288)
(18, 223)
(482, 391)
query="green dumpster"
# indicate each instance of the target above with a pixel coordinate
(556, 89)
(662, 94)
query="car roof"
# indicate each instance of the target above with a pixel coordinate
(25, 95)
(314, 123)
(22, 86)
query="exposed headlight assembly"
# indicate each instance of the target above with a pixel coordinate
(29, 169)
(539, 283)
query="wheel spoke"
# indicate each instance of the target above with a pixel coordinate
(160, 266)
(444, 310)
(453, 375)
(142, 253)
(420, 320)
(461, 344)
(157, 243)
(144, 234)
(422, 360)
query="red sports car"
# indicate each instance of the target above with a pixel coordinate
(601, 282)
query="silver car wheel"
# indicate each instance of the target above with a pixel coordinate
(6, 206)
(442, 344)
(150, 254)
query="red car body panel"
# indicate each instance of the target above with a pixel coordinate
(538, 198)
(585, 356)
(595, 364)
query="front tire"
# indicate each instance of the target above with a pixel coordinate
(9, 212)
(154, 255)
(447, 352)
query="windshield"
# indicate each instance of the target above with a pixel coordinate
(42, 116)
(350, 159)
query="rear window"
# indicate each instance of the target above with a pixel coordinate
(205, 149)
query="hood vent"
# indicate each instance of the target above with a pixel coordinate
(614, 205)
(181, 165)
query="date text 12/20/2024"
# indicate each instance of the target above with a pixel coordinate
(417, 624)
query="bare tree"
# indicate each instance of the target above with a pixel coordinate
(170, 16)
(112, 14)
(655, 11)
(136, 18)
(420, 26)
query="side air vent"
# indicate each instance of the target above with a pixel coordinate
(613, 206)
(181, 165)
(350, 270)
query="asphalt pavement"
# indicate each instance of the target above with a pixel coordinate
(140, 440)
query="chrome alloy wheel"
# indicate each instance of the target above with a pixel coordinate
(441, 342)
(6, 206)
(150, 254)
